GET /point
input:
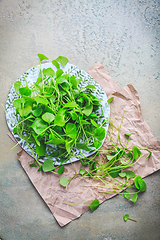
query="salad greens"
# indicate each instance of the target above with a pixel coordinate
(55, 112)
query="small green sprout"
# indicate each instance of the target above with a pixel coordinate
(126, 217)
(93, 206)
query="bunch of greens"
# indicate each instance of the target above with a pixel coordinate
(54, 112)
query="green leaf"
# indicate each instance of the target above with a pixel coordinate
(109, 157)
(62, 60)
(90, 86)
(64, 181)
(84, 122)
(39, 125)
(71, 130)
(56, 64)
(59, 72)
(93, 115)
(128, 134)
(25, 91)
(42, 57)
(34, 164)
(136, 152)
(73, 116)
(140, 184)
(122, 174)
(48, 165)
(136, 182)
(126, 217)
(41, 100)
(68, 146)
(25, 111)
(83, 146)
(61, 169)
(87, 110)
(40, 168)
(17, 85)
(60, 118)
(41, 149)
(70, 105)
(94, 123)
(35, 138)
(114, 171)
(37, 112)
(134, 198)
(123, 162)
(48, 117)
(49, 72)
(54, 140)
(126, 194)
(143, 186)
(110, 100)
(75, 81)
(99, 133)
(18, 103)
(94, 205)
(82, 171)
(97, 144)
(129, 174)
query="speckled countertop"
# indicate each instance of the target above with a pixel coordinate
(124, 37)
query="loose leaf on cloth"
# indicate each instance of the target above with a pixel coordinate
(47, 184)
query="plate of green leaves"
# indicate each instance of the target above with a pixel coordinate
(56, 111)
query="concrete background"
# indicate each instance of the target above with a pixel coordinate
(124, 37)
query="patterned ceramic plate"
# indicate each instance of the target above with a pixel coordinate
(31, 77)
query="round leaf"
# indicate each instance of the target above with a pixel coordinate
(71, 130)
(64, 181)
(94, 205)
(25, 91)
(125, 217)
(39, 125)
(48, 165)
(99, 133)
(42, 57)
(61, 169)
(48, 117)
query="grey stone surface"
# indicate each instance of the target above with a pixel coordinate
(124, 37)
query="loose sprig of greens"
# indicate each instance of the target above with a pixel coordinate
(93, 206)
(55, 111)
(126, 217)
(114, 168)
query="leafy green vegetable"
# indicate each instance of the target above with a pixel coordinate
(110, 100)
(42, 57)
(128, 174)
(56, 111)
(48, 165)
(48, 117)
(62, 60)
(64, 181)
(140, 184)
(34, 164)
(126, 217)
(82, 171)
(61, 169)
(93, 206)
